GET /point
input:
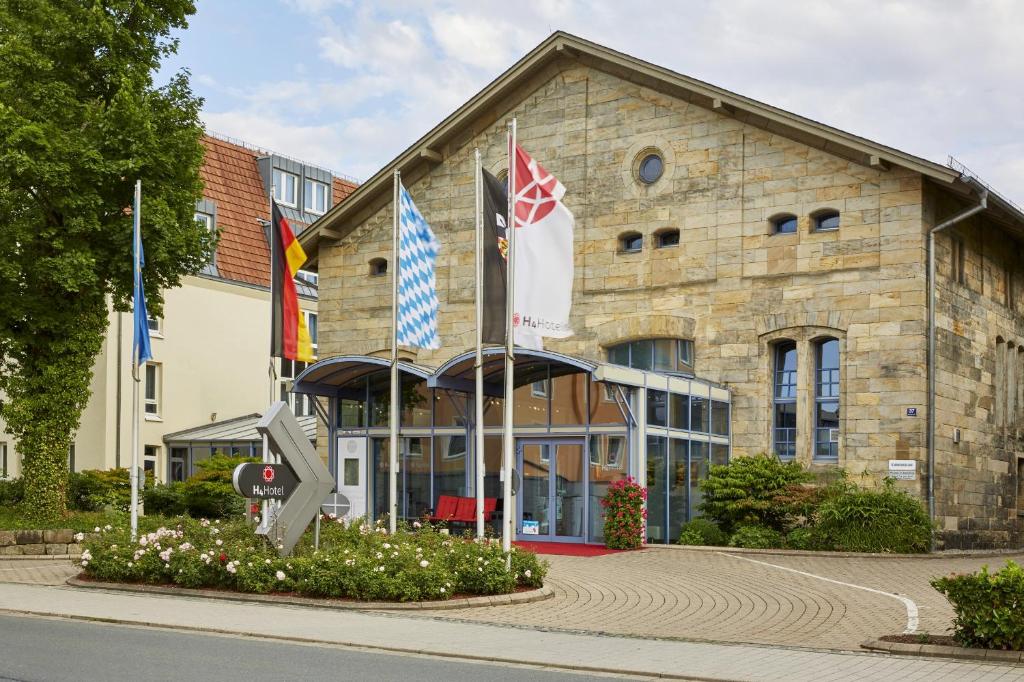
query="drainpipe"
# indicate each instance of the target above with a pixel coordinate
(963, 215)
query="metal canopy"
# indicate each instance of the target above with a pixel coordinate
(530, 365)
(239, 429)
(334, 376)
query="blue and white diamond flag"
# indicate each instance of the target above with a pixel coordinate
(417, 284)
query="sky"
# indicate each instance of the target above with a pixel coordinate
(348, 85)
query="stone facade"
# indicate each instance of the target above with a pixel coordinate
(979, 380)
(730, 285)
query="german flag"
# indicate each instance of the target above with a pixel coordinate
(290, 338)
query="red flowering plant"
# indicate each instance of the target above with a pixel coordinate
(625, 519)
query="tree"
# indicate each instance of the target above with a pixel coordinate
(80, 121)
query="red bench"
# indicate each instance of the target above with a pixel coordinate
(462, 509)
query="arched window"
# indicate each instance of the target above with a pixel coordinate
(826, 400)
(671, 356)
(784, 372)
(826, 220)
(784, 224)
(631, 242)
(666, 238)
(378, 267)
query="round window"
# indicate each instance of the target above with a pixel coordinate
(650, 169)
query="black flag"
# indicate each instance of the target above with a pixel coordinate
(495, 258)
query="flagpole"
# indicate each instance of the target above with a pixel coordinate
(267, 459)
(508, 442)
(133, 475)
(479, 369)
(393, 416)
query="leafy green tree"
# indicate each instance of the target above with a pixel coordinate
(80, 120)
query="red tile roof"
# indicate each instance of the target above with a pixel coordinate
(232, 180)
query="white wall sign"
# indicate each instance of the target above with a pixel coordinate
(903, 469)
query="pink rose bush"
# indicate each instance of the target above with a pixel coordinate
(625, 518)
(355, 561)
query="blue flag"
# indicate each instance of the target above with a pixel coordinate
(141, 348)
(417, 285)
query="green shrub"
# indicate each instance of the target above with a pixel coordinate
(702, 531)
(989, 607)
(166, 500)
(756, 537)
(744, 491)
(801, 538)
(886, 520)
(11, 492)
(356, 561)
(100, 489)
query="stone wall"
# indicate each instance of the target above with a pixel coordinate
(39, 542)
(730, 285)
(979, 382)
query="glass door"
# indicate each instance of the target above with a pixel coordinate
(552, 496)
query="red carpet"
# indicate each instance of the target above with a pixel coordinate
(566, 548)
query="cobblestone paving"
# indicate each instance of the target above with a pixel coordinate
(675, 593)
(42, 572)
(699, 595)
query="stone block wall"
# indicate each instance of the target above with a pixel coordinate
(39, 543)
(979, 381)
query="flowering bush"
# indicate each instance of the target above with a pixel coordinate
(625, 518)
(356, 561)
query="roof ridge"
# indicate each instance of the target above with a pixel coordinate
(249, 146)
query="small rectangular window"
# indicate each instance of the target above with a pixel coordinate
(657, 408)
(155, 325)
(152, 390)
(286, 188)
(700, 415)
(205, 219)
(315, 197)
(539, 389)
(957, 260)
(311, 326)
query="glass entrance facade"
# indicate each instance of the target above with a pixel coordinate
(576, 433)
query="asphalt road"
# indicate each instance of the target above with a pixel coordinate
(51, 650)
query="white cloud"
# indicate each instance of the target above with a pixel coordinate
(927, 78)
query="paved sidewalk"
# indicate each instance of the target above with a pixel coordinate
(730, 597)
(697, 595)
(687, 660)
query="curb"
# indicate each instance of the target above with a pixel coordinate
(460, 603)
(573, 667)
(943, 651)
(844, 555)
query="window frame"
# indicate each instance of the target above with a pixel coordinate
(834, 397)
(280, 196)
(627, 238)
(660, 236)
(646, 156)
(781, 219)
(206, 218)
(779, 349)
(823, 215)
(314, 185)
(683, 348)
(157, 382)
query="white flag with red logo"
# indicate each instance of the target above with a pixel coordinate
(544, 255)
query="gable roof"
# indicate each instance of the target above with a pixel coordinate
(429, 149)
(232, 181)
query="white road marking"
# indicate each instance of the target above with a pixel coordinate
(912, 618)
